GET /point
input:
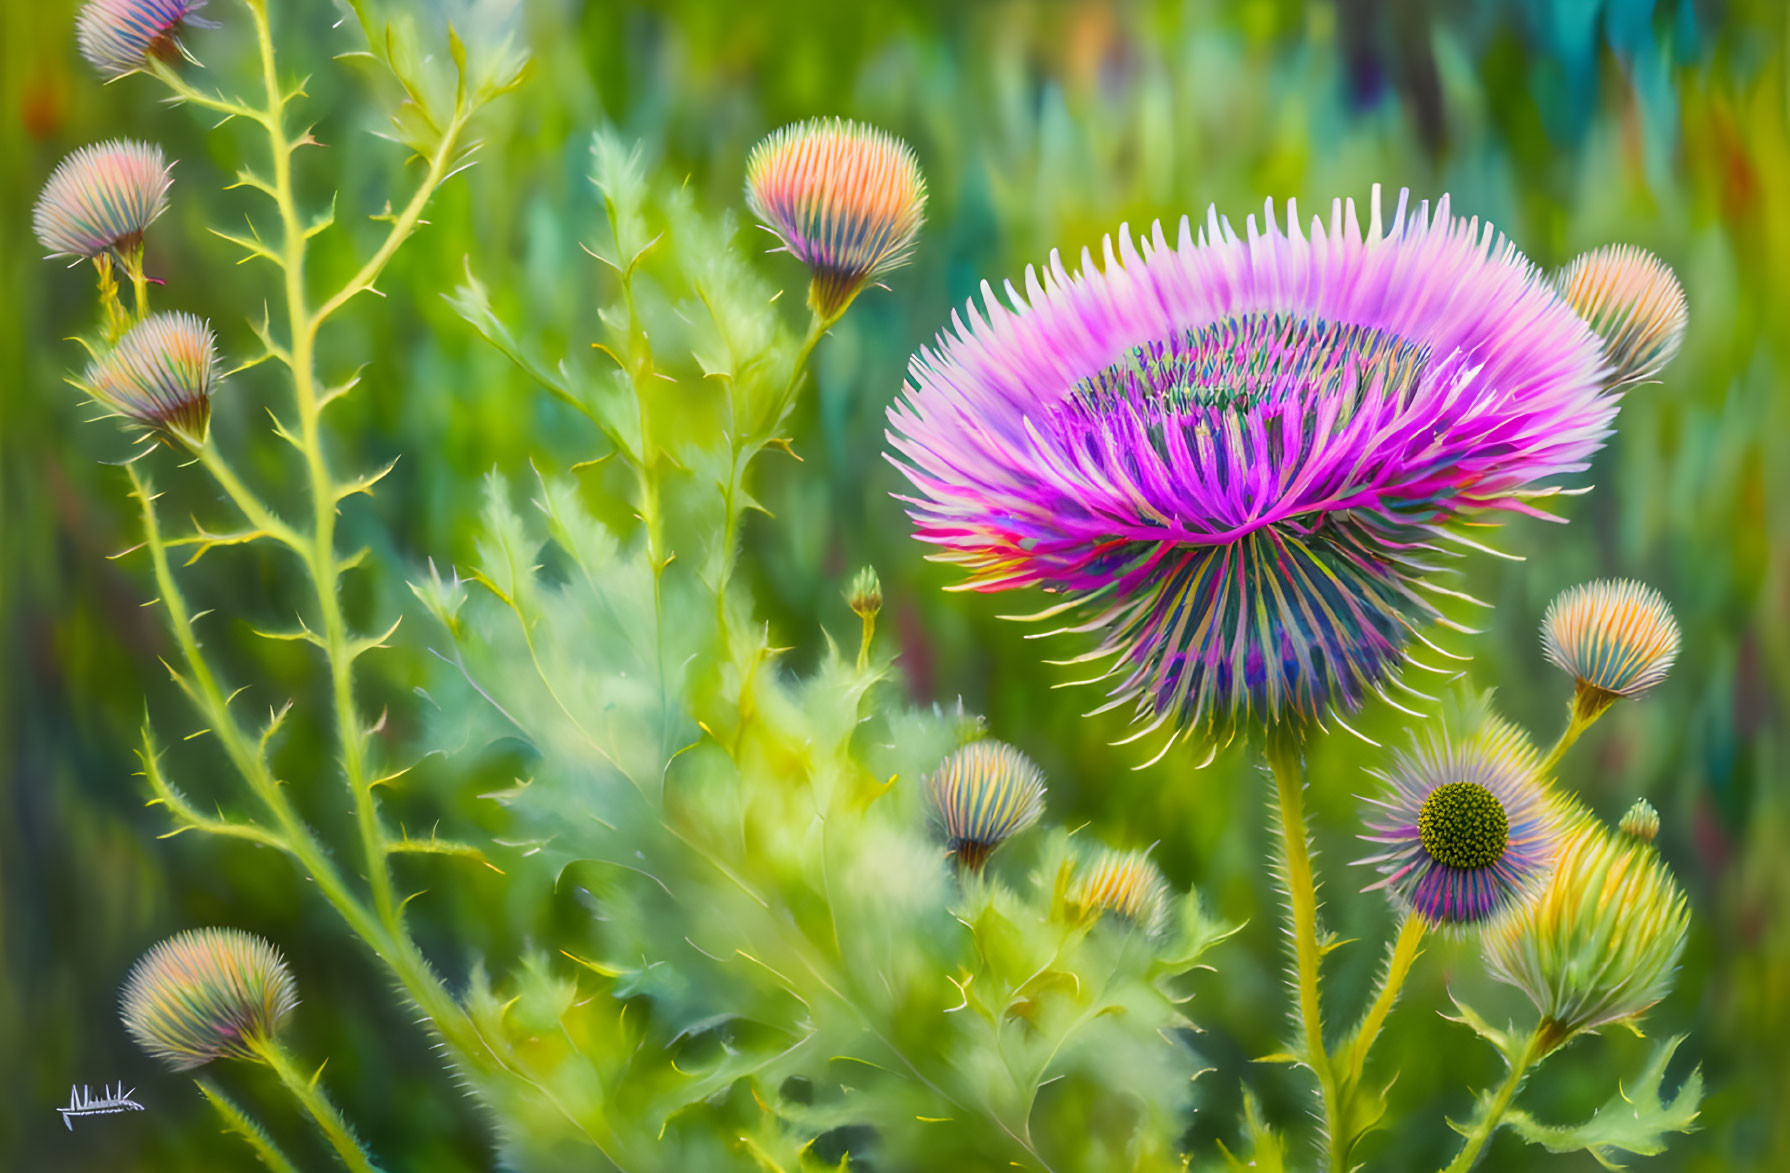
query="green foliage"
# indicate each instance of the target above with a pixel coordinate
(774, 941)
(1635, 1119)
(565, 995)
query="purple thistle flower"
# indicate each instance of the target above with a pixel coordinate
(1234, 458)
(1469, 829)
(102, 197)
(120, 37)
(160, 377)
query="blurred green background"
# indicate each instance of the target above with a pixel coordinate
(1568, 123)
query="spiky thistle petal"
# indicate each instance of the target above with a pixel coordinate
(121, 37)
(207, 994)
(1468, 827)
(1236, 458)
(1616, 636)
(160, 377)
(1124, 883)
(1635, 305)
(102, 197)
(983, 795)
(846, 199)
(1601, 941)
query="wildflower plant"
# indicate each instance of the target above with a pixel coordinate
(799, 921)
(1239, 461)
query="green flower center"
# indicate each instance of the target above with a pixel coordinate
(1463, 825)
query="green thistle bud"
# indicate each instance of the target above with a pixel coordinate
(207, 994)
(1124, 883)
(984, 794)
(866, 594)
(1641, 822)
(1601, 942)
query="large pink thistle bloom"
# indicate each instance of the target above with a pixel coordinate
(1235, 457)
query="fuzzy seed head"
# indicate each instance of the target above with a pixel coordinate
(1634, 303)
(1124, 883)
(160, 377)
(120, 37)
(1617, 636)
(1602, 940)
(983, 795)
(207, 994)
(102, 197)
(847, 200)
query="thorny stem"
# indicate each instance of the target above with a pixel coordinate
(1544, 1039)
(381, 927)
(748, 447)
(1283, 752)
(335, 1129)
(398, 952)
(1398, 967)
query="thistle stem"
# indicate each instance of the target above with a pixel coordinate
(1587, 705)
(864, 642)
(1398, 966)
(749, 447)
(1533, 1049)
(329, 1120)
(1283, 754)
(242, 1124)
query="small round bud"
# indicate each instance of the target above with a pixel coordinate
(1641, 822)
(866, 595)
(1124, 883)
(984, 794)
(1631, 301)
(160, 377)
(120, 37)
(846, 200)
(207, 994)
(1614, 636)
(102, 197)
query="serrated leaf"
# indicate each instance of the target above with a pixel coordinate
(1266, 1153)
(1635, 1120)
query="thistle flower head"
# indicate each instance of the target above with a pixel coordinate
(120, 37)
(1635, 305)
(207, 994)
(1124, 883)
(847, 200)
(160, 377)
(1233, 457)
(866, 594)
(1613, 636)
(983, 795)
(102, 197)
(1467, 828)
(1601, 941)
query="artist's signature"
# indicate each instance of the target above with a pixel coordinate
(82, 1102)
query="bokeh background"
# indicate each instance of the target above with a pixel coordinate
(1569, 123)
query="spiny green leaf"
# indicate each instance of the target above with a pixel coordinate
(1266, 1153)
(1635, 1119)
